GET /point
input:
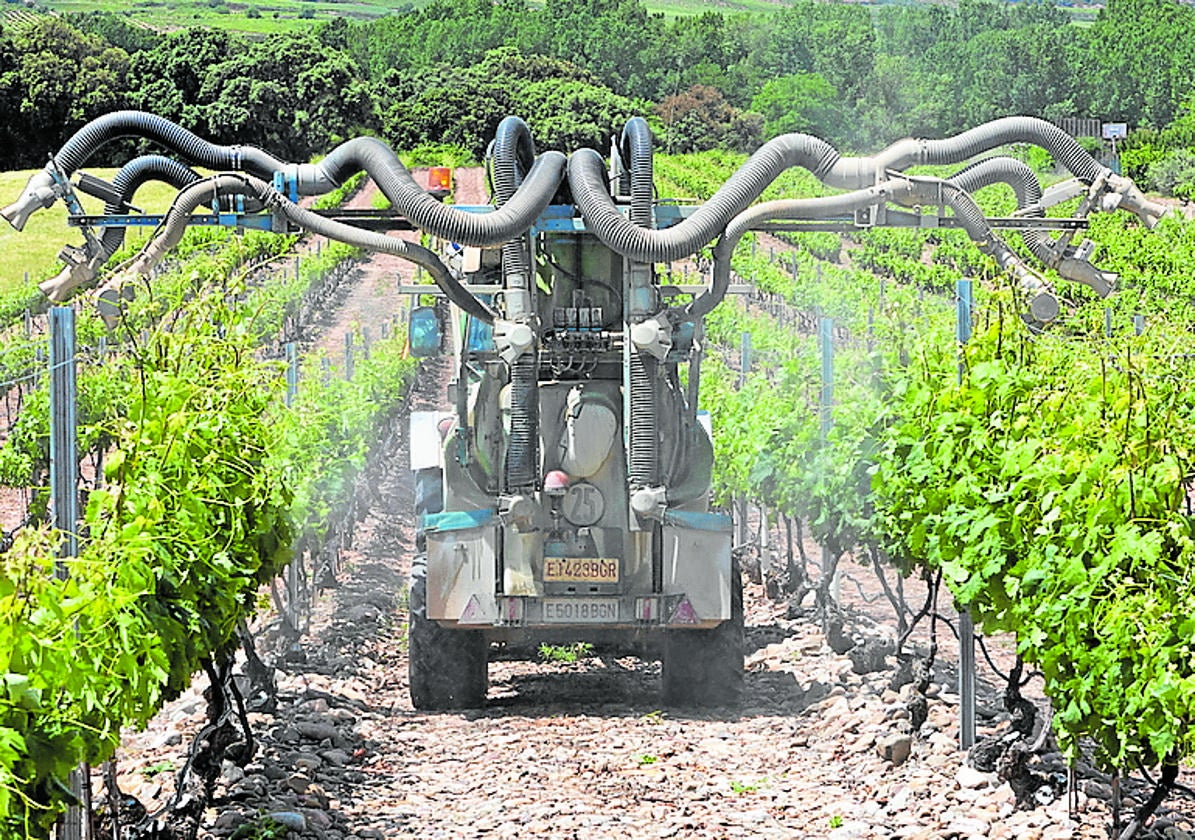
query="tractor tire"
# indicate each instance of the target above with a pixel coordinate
(704, 668)
(447, 669)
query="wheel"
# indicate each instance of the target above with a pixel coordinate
(447, 668)
(705, 667)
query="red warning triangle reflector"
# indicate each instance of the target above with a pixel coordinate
(472, 611)
(684, 614)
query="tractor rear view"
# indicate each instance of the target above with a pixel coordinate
(564, 497)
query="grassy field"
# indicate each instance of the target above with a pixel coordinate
(265, 16)
(34, 251)
(253, 16)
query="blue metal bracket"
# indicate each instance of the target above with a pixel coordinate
(558, 218)
(255, 221)
(286, 184)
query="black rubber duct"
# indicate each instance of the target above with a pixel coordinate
(587, 179)
(426, 213)
(1065, 149)
(362, 153)
(40, 191)
(643, 468)
(1044, 306)
(229, 184)
(194, 149)
(1025, 187)
(514, 151)
(637, 151)
(130, 178)
(514, 154)
(643, 455)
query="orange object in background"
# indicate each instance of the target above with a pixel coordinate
(439, 178)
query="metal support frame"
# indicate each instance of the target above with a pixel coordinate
(64, 461)
(561, 218)
(898, 219)
(966, 627)
(64, 489)
(825, 334)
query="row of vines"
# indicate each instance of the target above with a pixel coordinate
(205, 481)
(1044, 477)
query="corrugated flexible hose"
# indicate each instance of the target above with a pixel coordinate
(202, 191)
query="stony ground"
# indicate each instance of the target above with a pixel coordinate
(583, 749)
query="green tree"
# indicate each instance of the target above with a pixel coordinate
(286, 94)
(1174, 174)
(59, 78)
(803, 102)
(1142, 60)
(569, 114)
(168, 78)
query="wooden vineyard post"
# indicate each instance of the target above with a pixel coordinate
(966, 627)
(64, 490)
(348, 355)
(825, 333)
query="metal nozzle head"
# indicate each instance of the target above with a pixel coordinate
(1044, 307)
(1126, 196)
(82, 266)
(1082, 271)
(108, 304)
(110, 300)
(39, 194)
(59, 287)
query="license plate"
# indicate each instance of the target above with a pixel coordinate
(580, 570)
(580, 610)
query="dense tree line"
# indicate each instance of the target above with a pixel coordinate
(576, 69)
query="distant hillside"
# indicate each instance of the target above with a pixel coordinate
(237, 16)
(263, 16)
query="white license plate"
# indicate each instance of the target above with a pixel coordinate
(580, 610)
(580, 570)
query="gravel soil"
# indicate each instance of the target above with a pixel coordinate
(583, 749)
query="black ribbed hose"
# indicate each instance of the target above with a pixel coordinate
(230, 184)
(372, 241)
(1025, 187)
(514, 218)
(637, 150)
(362, 153)
(587, 179)
(522, 450)
(194, 149)
(513, 156)
(130, 178)
(643, 455)
(644, 458)
(901, 190)
(1065, 149)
